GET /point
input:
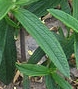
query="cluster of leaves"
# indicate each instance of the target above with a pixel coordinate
(57, 47)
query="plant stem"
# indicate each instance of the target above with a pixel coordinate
(22, 45)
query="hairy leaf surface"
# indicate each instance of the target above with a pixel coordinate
(40, 7)
(33, 69)
(61, 82)
(7, 52)
(37, 55)
(50, 83)
(25, 2)
(75, 14)
(46, 40)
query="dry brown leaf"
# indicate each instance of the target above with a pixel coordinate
(16, 76)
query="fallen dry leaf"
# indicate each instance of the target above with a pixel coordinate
(16, 76)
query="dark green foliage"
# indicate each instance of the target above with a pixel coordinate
(45, 39)
(50, 83)
(75, 14)
(8, 54)
(5, 6)
(56, 47)
(39, 8)
(61, 82)
(37, 55)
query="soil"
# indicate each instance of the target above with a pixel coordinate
(31, 45)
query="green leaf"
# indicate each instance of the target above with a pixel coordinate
(7, 52)
(65, 18)
(66, 43)
(37, 55)
(46, 40)
(39, 8)
(33, 69)
(61, 82)
(26, 82)
(3, 29)
(68, 47)
(76, 47)
(65, 6)
(12, 23)
(25, 2)
(60, 30)
(35, 58)
(75, 14)
(75, 9)
(50, 83)
(5, 6)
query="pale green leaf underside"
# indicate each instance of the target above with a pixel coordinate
(44, 38)
(5, 6)
(65, 18)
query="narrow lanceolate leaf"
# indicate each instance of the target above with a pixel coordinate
(25, 2)
(69, 45)
(39, 8)
(65, 18)
(75, 9)
(5, 6)
(3, 29)
(75, 14)
(65, 6)
(61, 82)
(66, 44)
(10, 22)
(46, 40)
(76, 47)
(7, 52)
(50, 83)
(33, 69)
